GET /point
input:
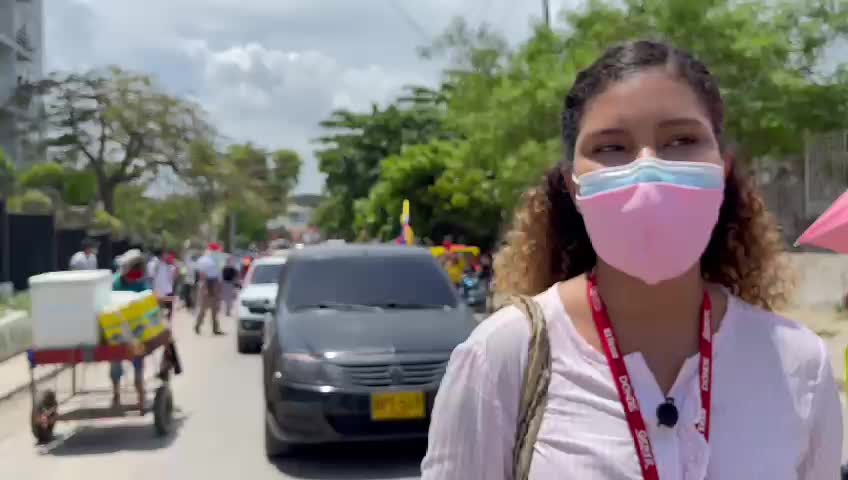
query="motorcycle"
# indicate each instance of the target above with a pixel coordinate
(473, 291)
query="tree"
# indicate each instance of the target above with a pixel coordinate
(285, 171)
(167, 220)
(767, 55)
(355, 145)
(245, 180)
(116, 124)
(75, 187)
(31, 202)
(505, 106)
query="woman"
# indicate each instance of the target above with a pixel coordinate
(652, 256)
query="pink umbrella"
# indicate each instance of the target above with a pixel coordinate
(830, 230)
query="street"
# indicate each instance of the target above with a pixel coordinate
(219, 433)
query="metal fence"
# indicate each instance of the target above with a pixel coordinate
(31, 244)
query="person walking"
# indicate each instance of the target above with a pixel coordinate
(646, 346)
(208, 289)
(230, 279)
(162, 273)
(129, 278)
(86, 258)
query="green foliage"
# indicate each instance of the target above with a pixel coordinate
(79, 188)
(104, 222)
(500, 109)
(285, 171)
(44, 175)
(31, 202)
(250, 226)
(116, 124)
(171, 219)
(356, 144)
(7, 176)
(75, 186)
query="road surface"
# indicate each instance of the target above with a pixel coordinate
(219, 434)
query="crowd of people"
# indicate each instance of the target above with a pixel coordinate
(201, 282)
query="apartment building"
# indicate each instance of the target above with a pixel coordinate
(21, 60)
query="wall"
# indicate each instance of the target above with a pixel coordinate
(822, 279)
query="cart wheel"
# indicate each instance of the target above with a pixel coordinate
(44, 414)
(163, 410)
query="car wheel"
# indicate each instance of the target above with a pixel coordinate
(242, 345)
(274, 448)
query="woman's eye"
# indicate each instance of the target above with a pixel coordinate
(681, 141)
(608, 148)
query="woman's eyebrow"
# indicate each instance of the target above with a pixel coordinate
(682, 122)
(606, 132)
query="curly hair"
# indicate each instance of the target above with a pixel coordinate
(548, 241)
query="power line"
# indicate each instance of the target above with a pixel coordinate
(410, 20)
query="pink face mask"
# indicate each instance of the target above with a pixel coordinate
(651, 219)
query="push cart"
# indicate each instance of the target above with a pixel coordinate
(45, 405)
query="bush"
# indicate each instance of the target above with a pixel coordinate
(31, 202)
(104, 221)
(43, 175)
(7, 176)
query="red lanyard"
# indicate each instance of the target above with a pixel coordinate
(624, 386)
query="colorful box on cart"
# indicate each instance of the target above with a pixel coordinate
(130, 316)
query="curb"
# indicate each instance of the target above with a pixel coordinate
(48, 376)
(15, 334)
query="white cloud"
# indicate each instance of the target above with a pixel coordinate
(269, 70)
(278, 97)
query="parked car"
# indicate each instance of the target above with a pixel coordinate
(256, 300)
(358, 345)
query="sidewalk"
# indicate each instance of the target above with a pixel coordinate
(14, 375)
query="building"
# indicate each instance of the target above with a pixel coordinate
(21, 61)
(296, 223)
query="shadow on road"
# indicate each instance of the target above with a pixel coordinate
(97, 440)
(355, 462)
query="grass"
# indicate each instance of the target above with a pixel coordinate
(18, 301)
(826, 333)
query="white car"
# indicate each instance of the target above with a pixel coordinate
(257, 298)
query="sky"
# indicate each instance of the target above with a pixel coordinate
(268, 71)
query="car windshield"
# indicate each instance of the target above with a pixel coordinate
(388, 282)
(268, 273)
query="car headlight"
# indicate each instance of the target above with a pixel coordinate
(309, 369)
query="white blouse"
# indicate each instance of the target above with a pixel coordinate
(775, 415)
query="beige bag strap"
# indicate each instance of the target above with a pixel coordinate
(534, 390)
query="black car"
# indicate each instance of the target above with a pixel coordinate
(358, 345)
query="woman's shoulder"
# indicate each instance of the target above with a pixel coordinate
(760, 332)
(502, 338)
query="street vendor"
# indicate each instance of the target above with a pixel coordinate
(130, 278)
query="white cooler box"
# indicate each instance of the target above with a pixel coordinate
(65, 306)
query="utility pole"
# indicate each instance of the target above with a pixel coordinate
(546, 12)
(232, 232)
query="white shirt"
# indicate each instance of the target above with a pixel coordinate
(83, 261)
(207, 266)
(776, 413)
(162, 276)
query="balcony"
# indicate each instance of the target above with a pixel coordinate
(22, 49)
(20, 106)
(24, 45)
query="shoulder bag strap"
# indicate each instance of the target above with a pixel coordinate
(537, 377)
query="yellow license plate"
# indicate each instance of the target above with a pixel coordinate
(397, 406)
